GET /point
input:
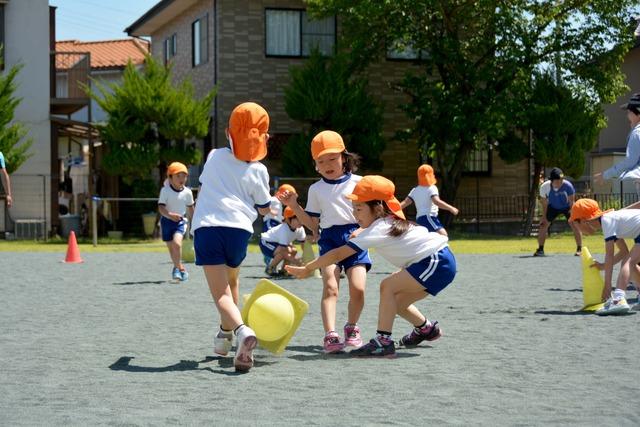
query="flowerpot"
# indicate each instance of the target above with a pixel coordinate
(188, 253)
(149, 223)
(113, 234)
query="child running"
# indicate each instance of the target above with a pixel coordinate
(234, 184)
(426, 264)
(175, 204)
(616, 226)
(427, 200)
(328, 208)
(276, 244)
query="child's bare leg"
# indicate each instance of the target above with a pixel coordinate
(175, 249)
(233, 276)
(410, 313)
(442, 231)
(577, 234)
(357, 276)
(628, 268)
(218, 280)
(278, 256)
(330, 284)
(398, 289)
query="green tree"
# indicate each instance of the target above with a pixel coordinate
(325, 93)
(150, 121)
(13, 144)
(477, 59)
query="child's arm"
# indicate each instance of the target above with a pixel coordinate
(190, 210)
(610, 260)
(331, 257)
(291, 200)
(406, 202)
(170, 215)
(444, 205)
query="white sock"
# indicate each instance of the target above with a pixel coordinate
(619, 293)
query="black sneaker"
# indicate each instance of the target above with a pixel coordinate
(539, 252)
(375, 348)
(415, 337)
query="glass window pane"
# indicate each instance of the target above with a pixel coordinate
(283, 32)
(320, 33)
(196, 43)
(204, 42)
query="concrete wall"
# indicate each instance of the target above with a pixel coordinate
(27, 43)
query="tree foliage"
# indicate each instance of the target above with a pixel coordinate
(13, 144)
(151, 121)
(325, 93)
(474, 79)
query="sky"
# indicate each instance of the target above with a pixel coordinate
(90, 20)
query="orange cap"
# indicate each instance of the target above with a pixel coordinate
(286, 187)
(248, 127)
(326, 142)
(586, 209)
(288, 213)
(426, 175)
(376, 187)
(176, 167)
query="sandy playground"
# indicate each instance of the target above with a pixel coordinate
(111, 341)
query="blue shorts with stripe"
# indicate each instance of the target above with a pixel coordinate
(169, 228)
(435, 272)
(431, 222)
(268, 248)
(269, 224)
(338, 235)
(220, 245)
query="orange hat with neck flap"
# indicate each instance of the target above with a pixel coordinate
(248, 127)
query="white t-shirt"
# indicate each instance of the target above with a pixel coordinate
(176, 201)
(622, 224)
(283, 235)
(231, 190)
(414, 245)
(275, 205)
(421, 196)
(327, 200)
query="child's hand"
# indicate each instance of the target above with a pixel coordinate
(356, 232)
(598, 265)
(175, 217)
(454, 211)
(297, 272)
(287, 197)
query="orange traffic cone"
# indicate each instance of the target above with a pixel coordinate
(73, 253)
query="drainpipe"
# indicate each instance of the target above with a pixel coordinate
(215, 72)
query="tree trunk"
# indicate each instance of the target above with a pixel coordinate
(450, 179)
(533, 192)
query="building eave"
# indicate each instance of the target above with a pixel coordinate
(158, 16)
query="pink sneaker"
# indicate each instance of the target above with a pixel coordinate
(352, 336)
(332, 343)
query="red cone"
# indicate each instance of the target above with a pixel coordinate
(73, 253)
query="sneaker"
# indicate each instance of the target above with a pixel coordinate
(222, 343)
(184, 276)
(352, 336)
(614, 306)
(247, 341)
(417, 336)
(578, 252)
(176, 276)
(539, 252)
(374, 348)
(332, 343)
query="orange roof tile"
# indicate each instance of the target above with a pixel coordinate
(108, 53)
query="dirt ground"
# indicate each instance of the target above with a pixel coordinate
(112, 342)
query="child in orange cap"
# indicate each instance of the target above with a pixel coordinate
(333, 213)
(616, 226)
(234, 185)
(274, 217)
(427, 200)
(277, 243)
(175, 204)
(426, 264)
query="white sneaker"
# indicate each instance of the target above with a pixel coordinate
(247, 341)
(614, 306)
(222, 343)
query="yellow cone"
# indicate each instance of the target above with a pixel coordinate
(274, 314)
(592, 283)
(188, 253)
(308, 255)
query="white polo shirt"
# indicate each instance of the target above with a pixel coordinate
(421, 196)
(414, 245)
(327, 200)
(231, 190)
(176, 201)
(283, 235)
(277, 206)
(622, 224)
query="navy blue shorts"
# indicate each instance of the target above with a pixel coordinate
(431, 222)
(169, 228)
(267, 248)
(435, 272)
(338, 235)
(269, 224)
(220, 245)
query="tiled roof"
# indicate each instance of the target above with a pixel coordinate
(108, 53)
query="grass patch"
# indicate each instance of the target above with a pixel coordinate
(460, 244)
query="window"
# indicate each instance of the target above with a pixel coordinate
(292, 33)
(200, 41)
(478, 162)
(1, 36)
(170, 47)
(398, 50)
